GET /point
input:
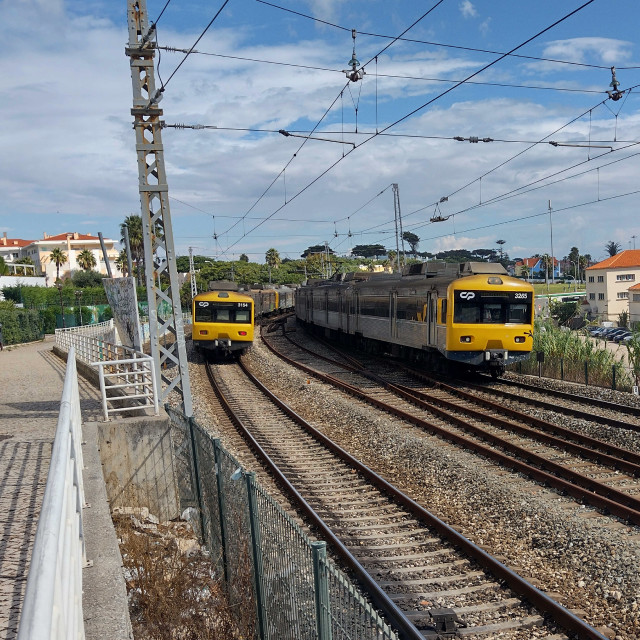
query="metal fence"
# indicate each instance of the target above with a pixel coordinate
(52, 607)
(617, 376)
(281, 583)
(127, 377)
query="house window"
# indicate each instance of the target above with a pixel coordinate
(636, 297)
(623, 295)
(621, 277)
(592, 296)
(601, 296)
(600, 278)
(591, 279)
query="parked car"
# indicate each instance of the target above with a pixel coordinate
(611, 335)
(619, 337)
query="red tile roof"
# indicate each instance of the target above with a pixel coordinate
(14, 242)
(63, 236)
(622, 260)
(635, 287)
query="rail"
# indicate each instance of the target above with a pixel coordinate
(52, 607)
(127, 377)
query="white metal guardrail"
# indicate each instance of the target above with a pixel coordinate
(52, 607)
(127, 377)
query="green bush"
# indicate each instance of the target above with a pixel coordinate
(20, 325)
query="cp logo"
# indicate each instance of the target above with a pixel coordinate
(467, 295)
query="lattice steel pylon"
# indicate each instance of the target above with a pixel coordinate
(163, 292)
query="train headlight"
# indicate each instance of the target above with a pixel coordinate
(204, 332)
(520, 339)
(242, 333)
(465, 338)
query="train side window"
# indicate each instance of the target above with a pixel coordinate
(443, 311)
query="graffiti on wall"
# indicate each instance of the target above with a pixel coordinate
(121, 294)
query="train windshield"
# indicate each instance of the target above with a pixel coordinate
(488, 307)
(233, 312)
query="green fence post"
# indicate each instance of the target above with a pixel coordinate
(613, 377)
(586, 373)
(196, 478)
(221, 509)
(321, 588)
(256, 548)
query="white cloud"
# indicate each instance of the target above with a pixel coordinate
(467, 9)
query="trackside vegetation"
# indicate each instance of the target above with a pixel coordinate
(572, 356)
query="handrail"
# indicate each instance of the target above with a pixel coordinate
(130, 374)
(52, 607)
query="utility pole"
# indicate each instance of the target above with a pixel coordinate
(156, 219)
(552, 258)
(192, 275)
(398, 219)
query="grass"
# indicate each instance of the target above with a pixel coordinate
(541, 289)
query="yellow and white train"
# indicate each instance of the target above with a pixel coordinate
(224, 318)
(472, 314)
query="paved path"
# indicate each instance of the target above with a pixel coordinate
(31, 381)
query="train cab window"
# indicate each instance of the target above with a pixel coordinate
(493, 313)
(518, 313)
(229, 312)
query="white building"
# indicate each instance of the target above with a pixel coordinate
(609, 282)
(71, 244)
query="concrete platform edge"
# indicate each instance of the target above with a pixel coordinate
(105, 603)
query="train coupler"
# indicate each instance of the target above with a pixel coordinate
(445, 623)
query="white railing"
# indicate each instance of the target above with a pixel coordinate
(52, 607)
(127, 377)
(125, 381)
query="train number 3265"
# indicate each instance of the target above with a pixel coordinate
(521, 295)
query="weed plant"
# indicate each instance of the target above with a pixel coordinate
(565, 354)
(174, 591)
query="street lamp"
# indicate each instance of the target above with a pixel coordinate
(78, 295)
(59, 285)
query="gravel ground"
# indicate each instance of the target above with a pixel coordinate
(585, 560)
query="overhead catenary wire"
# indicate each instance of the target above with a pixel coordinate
(440, 44)
(160, 91)
(417, 109)
(344, 155)
(393, 76)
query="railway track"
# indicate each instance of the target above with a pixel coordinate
(413, 565)
(589, 470)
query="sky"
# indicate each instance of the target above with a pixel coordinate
(434, 70)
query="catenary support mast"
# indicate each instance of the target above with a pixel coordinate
(163, 293)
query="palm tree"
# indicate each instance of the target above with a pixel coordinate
(58, 257)
(122, 263)
(272, 258)
(612, 247)
(23, 271)
(86, 260)
(136, 241)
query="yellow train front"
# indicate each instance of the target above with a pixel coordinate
(223, 321)
(489, 321)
